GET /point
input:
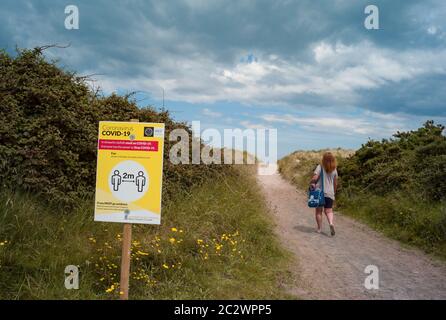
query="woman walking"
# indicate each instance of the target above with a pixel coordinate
(330, 174)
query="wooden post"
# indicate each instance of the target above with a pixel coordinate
(126, 257)
(125, 261)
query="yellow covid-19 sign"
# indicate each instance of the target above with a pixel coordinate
(129, 172)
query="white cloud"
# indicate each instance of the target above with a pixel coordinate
(432, 30)
(250, 125)
(211, 113)
(179, 48)
(338, 73)
(370, 124)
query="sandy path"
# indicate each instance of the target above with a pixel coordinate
(333, 267)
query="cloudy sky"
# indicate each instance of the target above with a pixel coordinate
(306, 67)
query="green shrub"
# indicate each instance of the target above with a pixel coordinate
(398, 185)
(413, 162)
(48, 131)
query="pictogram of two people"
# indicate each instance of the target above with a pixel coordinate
(140, 181)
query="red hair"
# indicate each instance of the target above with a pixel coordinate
(328, 162)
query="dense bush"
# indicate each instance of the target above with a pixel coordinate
(398, 186)
(48, 130)
(413, 162)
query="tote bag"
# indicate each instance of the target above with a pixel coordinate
(316, 197)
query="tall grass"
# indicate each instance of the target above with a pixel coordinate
(215, 242)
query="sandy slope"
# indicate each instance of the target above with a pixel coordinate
(333, 267)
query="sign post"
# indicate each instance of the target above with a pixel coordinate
(125, 262)
(129, 180)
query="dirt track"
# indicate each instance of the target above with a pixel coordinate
(333, 267)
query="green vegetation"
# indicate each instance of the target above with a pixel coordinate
(215, 240)
(395, 185)
(214, 243)
(298, 167)
(398, 186)
(48, 131)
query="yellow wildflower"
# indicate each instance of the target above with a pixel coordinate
(111, 289)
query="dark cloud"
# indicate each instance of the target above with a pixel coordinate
(425, 95)
(188, 45)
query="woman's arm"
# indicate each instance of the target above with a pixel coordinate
(335, 183)
(314, 181)
(315, 178)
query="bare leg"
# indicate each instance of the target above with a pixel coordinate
(319, 219)
(329, 214)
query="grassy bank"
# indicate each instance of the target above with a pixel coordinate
(395, 185)
(401, 216)
(298, 166)
(215, 242)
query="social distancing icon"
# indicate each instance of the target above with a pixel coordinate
(128, 181)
